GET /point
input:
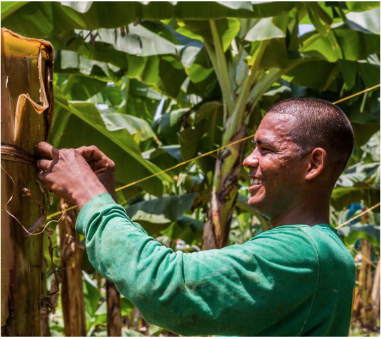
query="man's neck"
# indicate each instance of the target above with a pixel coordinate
(308, 212)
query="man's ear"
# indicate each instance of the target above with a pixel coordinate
(317, 162)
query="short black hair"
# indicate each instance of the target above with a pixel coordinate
(320, 124)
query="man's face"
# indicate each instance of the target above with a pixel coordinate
(276, 170)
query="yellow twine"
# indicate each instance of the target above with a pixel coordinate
(356, 94)
(358, 216)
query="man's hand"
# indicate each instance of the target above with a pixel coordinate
(102, 166)
(67, 174)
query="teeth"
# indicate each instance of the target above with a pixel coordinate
(255, 182)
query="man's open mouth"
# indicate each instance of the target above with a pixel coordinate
(255, 181)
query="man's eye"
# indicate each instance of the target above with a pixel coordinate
(264, 149)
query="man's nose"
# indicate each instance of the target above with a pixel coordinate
(251, 161)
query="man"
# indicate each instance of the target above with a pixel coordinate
(295, 279)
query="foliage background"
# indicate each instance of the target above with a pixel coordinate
(140, 81)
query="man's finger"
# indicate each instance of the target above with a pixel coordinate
(45, 150)
(41, 176)
(90, 153)
(44, 164)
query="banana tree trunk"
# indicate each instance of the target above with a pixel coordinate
(72, 297)
(224, 194)
(376, 294)
(114, 318)
(26, 112)
(362, 309)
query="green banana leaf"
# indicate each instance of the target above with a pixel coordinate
(268, 28)
(313, 74)
(78, 87)
(341, 43)
(344, 196)
(360, 6)
(71, 62)
(367, 21)
(351, 234)
(9, 7)
(157, 214)
(167, 125)
(132, 97)
(138, 128)
(44, 19)
(186, 229)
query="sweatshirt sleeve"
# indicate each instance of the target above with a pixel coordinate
(236, 290)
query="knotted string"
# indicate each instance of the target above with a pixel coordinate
(14, 153)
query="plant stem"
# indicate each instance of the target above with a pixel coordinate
(126, 90)
(222, 69)
(234, 124)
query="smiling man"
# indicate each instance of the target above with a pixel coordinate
(295, 279)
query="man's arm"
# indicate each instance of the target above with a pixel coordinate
(265, 286)
(238, 290)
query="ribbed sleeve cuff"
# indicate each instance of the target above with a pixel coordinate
(91, 209)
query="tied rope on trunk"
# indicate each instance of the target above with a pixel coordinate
(16, 154)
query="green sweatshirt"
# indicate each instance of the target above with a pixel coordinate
(289, 281)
